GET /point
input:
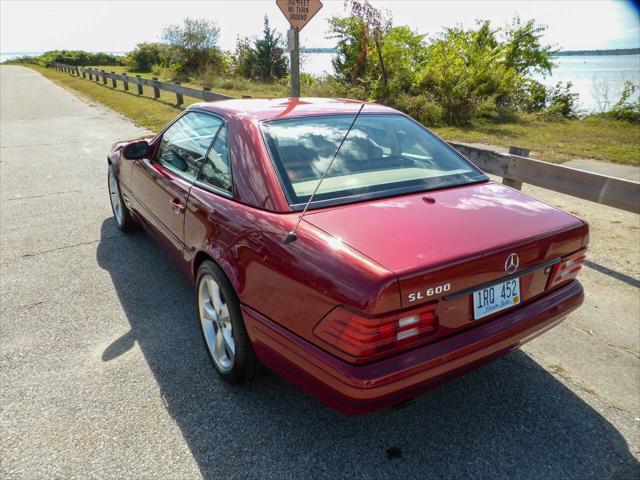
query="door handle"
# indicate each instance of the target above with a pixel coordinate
(177, 206)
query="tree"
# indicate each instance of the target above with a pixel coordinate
(261, 58)
(524, 50)
(195, 42)
(359, 34)
(465, 73)
(375, 24)
(146, 55)
(405, 54)
(270, 62)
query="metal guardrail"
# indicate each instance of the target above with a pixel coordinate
(113, 78)
(515, 167)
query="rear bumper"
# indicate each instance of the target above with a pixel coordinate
(366, 388)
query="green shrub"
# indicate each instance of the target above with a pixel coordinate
(625, 108)
(81, 58)
(146, 55)
(562, 102)
(466, 75)
(173, 73)
(533, 96)
(421, 108)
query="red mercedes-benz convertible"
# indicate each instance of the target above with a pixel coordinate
(345, 246)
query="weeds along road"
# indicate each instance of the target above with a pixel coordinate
(103, 374)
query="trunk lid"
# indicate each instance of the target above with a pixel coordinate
(459, 237)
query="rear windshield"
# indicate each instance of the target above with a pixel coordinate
(383, 155)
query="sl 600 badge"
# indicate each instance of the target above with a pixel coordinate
(429, 292)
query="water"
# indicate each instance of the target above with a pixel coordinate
(598, 79)
(593, 77)
(4, 56)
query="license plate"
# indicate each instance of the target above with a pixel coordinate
(495, 298)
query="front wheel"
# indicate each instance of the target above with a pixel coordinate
(222, 326)
(121, 213)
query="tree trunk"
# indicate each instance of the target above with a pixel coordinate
(385, 79)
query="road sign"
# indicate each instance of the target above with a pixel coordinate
(299, 12)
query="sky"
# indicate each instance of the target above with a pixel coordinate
(35, 26)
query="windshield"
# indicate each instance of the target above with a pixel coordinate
(383, 155)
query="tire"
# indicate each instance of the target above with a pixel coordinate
(121, 213)
(222, 327)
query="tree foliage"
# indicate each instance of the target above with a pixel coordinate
(80, 57)
(146, 55)
(195, 43)
(458, 74)
(261, 58)
(626, 108)
(562, 102)
(524, 50)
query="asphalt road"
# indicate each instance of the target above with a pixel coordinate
(103, 373)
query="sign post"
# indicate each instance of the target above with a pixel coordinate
(298, 12)
(295, 64)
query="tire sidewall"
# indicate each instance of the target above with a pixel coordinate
(128, 223)
(112, 173)
(240, 368)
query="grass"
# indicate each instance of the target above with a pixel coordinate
(557, 141)
(592, 137)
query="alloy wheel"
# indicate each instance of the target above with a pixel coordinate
(216, 323)
(116, 199)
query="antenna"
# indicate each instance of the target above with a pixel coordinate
(291, 236)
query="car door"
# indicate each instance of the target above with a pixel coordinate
(162, 183)
(210, 205)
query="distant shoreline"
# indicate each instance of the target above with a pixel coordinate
(587, 53)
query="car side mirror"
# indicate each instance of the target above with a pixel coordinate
(136, 150)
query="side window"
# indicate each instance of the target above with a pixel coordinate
(216, 170)
(184, 144)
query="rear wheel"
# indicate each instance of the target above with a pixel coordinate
(121, 213)
(222, 326)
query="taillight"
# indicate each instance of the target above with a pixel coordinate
(567, 269)
(362, 336)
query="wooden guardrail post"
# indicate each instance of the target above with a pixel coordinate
(179, 97)
(77, 71)
(507, 180)
(140, 92)
(91, 74)
(156, 88)
(125, 82)
(113, 80)
(104, 77)
(84, 73)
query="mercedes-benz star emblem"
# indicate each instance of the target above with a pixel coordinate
(511, 264)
